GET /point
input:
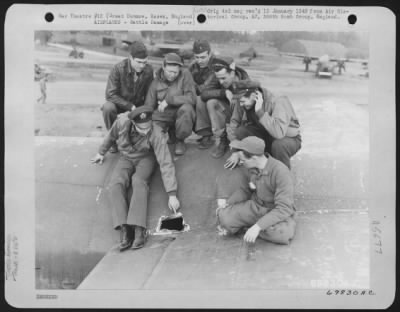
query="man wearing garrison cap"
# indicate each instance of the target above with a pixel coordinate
(259, 199)
(172, 95)
(269, 117)
(142, 145)
(202, 72)
(219, 96)
(127, 85)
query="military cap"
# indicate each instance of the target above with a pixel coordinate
(247, 92)
(173, 58)
(251, 144)
(141, 114)
(221, 62)
(199, 46)
(137, 49)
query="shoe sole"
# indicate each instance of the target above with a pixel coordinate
(137, 247)
(203, 147)
(125, 248)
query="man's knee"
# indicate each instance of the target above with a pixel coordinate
(187, 110)
(140, 181)
(280, 233)
(213, 105)
(109, 108)
(241, 133)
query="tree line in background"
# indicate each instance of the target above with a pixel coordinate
(351, 40)
(276, 38)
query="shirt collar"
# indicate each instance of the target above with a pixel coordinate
(268, 166)
(131, 70)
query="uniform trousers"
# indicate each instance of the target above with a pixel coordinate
(135, 173)
(203, 122)
(110, 113)
(245, 213)
(213, 115)
(179, 118)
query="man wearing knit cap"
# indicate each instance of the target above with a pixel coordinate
(271, 118)
(219, 96)
(172, 95)
(260, 200)
(142, 145)
(202, 72)
(127, 85)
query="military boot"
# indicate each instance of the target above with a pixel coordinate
(180, 148)
(126, 238)
(140, 237)
(220, 147)
(205, 142)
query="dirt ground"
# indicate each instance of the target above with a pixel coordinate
(76, 91)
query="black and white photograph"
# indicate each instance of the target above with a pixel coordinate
(235, 160)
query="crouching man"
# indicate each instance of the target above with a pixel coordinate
(173, 96)
(260, 199)
(268, 117)
(141, 144)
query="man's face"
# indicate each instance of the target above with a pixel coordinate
(202, 58)
(225, 78)
(143, 126)
(171, 72)
(248, 163)
(137, 63)
(247, 102)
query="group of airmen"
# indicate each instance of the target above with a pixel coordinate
(147, 110)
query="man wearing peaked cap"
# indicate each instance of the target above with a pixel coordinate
(172, 95)
(127, 84)
(202, 72)
(269, 117)
(142, 145)
(219, 96)
(260, 200)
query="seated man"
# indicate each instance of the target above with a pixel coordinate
(141, 144)
(218, 94)
(265, 205)
(172, 94)
(127, 85)
(270, 118)
(202, 72)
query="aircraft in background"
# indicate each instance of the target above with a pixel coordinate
(159, 49)
(326, 66)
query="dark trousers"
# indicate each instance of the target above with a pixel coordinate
(135, 173)
(110, 113)
(245, 213)
(281, 149)
(203, 122)
(212, 117)
(179, 118)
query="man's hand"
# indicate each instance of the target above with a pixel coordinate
(259, 101)
(229, 95)
(133, 107)
(162, 105)
(173, 203)
(97, 159)
(252, 234)
(232, 161)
